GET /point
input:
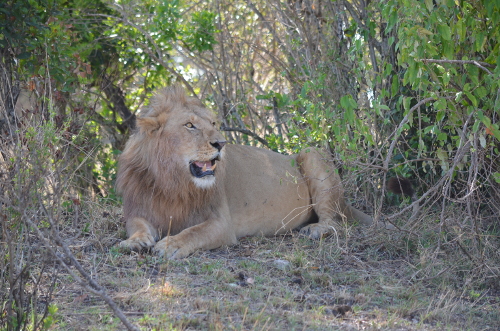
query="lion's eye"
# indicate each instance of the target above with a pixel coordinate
(214, 124)
(189, 125)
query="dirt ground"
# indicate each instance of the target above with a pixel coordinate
(361, 281)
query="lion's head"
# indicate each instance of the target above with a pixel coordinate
(174, 157)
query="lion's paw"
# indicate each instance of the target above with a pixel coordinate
(317, 230)
(138, 242)
(172, 248)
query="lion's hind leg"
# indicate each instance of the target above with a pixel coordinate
(141, 233)
(326, 191)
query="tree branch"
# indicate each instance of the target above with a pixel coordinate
(395, 139)
(248, 133)
(117, 99)
(265, 22)
(478, 64)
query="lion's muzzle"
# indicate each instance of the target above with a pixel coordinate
(201, 169)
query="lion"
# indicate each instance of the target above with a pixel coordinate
(185, 188)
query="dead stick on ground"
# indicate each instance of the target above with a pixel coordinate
(89, 284)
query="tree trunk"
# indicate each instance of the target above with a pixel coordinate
(117, 99)
(9, 92)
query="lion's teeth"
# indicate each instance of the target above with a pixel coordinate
(213, 167)
(204, 167)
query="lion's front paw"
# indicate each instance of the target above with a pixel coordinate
(173, 248)
(317, 230)
(139, 242)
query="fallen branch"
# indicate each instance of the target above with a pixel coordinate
(87, 282)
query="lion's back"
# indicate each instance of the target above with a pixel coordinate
(264, 190)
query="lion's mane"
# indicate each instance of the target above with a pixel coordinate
(151, 178)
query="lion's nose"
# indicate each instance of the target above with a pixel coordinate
(218, 144)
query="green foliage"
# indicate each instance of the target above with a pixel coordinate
(44, 42)
(21, 23)
(166, 20)
(200, 32)
(464, 94)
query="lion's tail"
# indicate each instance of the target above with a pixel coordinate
(366, 220)
(355, 214)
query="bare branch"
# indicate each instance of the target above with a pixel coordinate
(88, 283)
(248, 133)
(395, 139)
(478, 64)
(265, 22)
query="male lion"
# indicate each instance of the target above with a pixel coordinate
(181, 182)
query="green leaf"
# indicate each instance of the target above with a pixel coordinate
(440, 104)
(263, 97)
(448, 49)
(349, 115)
(444, 31)
(460, 30)
(482, 141)
(443, 157)
(442, 136)
(446, 78)
(472, 98)
(24, 56)
(475, 127)
(406, 103)
(481, 92)
(347, 102)
(429, 4)
(440, 115)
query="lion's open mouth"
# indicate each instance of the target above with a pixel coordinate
(201, 169)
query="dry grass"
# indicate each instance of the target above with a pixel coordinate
(362, 281)
(432, 275)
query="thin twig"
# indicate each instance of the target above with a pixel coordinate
(395, 139)
(265, 22)
(459, 155)
(478, 64)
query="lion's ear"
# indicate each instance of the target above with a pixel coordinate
(148, 124)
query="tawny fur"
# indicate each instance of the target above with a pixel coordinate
(150, 179)
(252, 191)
